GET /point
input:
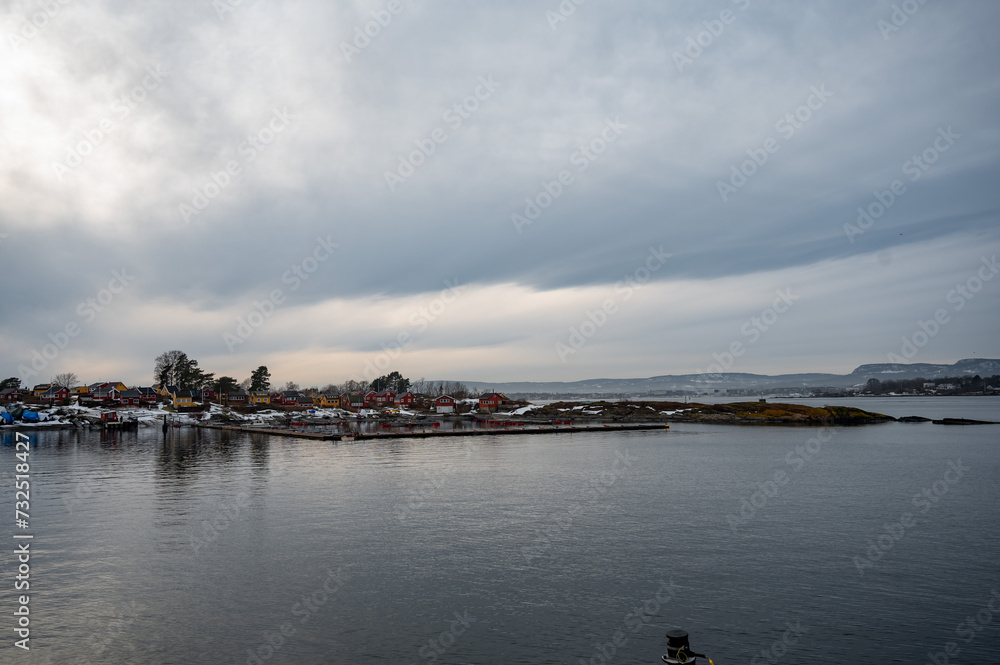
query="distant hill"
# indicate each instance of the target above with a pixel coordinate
(736, 380)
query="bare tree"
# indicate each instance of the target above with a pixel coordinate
(66, 380)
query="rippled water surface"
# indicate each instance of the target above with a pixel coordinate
(201, 547)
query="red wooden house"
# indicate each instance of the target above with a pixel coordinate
(130, 397)
(289, 398)
(445, 404)
(55, 394)
(406, 399)
(492, 402)
(236, 397)
(9, 395)
(370, 397)
(385, 398)
(352, 402)
(104, 394)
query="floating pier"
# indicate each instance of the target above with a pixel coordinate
(434, 432)
(322, 436)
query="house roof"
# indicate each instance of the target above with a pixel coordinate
(131, 393)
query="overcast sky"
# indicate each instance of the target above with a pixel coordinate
(496, 191)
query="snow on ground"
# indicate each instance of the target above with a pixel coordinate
(518, 412)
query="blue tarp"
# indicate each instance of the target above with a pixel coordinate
(29, 416)
(7, 418)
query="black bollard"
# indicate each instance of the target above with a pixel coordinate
(679, 650)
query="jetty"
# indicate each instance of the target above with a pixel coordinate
(431, 432)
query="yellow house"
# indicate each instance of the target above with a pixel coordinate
(183, 398)
(40, 389)
(326, 401)
(256, 399)
(81, 390)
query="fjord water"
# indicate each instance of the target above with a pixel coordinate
(543, 546)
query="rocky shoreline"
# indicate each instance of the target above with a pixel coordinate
(739, 413)
(558, 413)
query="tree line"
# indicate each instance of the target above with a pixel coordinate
(962, 383)
(176, 368)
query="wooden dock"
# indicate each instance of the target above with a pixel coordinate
(322, 436)
(427, 433)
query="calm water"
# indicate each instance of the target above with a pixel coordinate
(367, 552)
